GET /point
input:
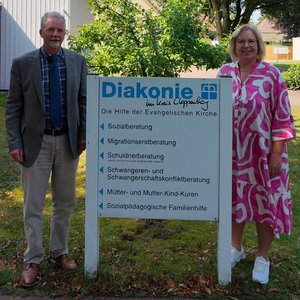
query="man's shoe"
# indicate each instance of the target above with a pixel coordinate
(261, 270)
(236, 256)
(65, 263)
(29, 275)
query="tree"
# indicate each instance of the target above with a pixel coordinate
(228, 14)
(289, 23)
(124, 39)
(287, 18)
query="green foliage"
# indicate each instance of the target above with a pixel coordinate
(285, 15)
(126, 40)
(225, 43)
(292, 77)
(281, 43)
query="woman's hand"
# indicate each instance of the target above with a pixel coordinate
(275, 161)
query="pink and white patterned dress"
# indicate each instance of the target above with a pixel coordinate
(261, 114)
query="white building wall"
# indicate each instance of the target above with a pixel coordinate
(20, 24)
(296, 49)
(80, 14)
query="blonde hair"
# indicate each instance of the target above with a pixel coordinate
(260, 43)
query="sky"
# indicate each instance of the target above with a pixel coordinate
(255, 16)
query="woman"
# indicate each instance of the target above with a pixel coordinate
(262, 124)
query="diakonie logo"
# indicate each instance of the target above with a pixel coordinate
(209, 91)
(138, 90)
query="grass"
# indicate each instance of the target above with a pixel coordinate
(139, 259)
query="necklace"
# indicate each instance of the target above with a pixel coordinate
(244, 75)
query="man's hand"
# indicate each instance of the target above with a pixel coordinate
(17, 155)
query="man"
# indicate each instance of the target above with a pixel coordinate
(46, 124)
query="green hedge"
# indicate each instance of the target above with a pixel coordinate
(292, 77)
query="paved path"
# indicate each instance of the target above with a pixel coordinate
(294, 96)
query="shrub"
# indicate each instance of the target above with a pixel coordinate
(292, 77)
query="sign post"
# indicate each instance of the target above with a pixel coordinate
(159, 148)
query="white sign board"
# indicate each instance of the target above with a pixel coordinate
(157, 148)
(281, 50)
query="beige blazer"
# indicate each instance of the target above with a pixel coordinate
(25, 113)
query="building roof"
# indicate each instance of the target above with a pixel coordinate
(268, 26)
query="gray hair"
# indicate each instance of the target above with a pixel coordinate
(51, 14)
(260, 42)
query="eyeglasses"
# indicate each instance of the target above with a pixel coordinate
(243, 42)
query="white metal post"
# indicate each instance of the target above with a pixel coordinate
(225, 208)
(91, 201)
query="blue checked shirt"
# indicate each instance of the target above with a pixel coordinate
(45, 68)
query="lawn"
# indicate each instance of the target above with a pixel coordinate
(140, 259)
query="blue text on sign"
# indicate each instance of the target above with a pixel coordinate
(110, 89)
